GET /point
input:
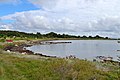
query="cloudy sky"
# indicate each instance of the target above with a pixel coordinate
(79, 17)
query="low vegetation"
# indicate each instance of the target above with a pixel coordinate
(18, 68)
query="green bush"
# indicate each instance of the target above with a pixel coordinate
(2, 40)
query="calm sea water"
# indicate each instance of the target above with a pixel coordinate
(82, 49)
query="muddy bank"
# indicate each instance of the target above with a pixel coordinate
(18, 48)
(21, 47)
(22, 50)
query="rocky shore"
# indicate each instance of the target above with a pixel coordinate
(105, 59)
(21, 47)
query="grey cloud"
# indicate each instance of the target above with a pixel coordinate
(5, 0)
(87, 18)
(71, 3)
(44, 3)
(109, 24)
(42, 22)
(9, 1)
(54, 5)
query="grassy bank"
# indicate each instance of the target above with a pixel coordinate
(15, 67)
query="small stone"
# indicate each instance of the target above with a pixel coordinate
(8, 50)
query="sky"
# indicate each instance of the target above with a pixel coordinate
(78, 17)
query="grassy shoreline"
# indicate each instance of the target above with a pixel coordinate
(14, 66)
(17, 67)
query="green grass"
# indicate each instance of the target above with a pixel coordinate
(16, 68)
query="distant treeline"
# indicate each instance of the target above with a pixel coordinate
(14, 34)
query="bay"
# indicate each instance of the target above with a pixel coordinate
(83, 49)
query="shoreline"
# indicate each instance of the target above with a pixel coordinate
(22, 50)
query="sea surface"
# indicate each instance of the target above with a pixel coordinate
(83, 49)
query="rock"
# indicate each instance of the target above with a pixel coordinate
(24, 53)
(70, 57)
(8, 50)
(16, 45)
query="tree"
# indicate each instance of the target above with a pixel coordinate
(97, 36)
(39, 35)
(90, 37)
(51, 35)
(84, 36)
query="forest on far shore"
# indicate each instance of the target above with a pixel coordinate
(38, 35)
